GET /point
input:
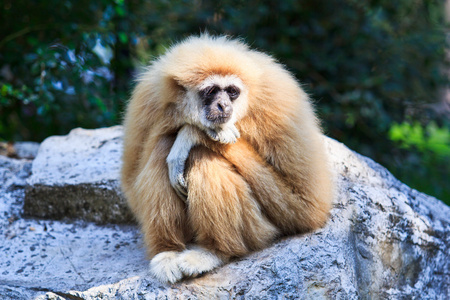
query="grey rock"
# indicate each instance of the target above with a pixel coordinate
(27, 150)
(13, 173)
(19, 150)
(38, 256)
(383, 241)
(77, 177)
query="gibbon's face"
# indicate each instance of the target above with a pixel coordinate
(217, 101)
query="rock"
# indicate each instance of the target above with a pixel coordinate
(77, 177)
(383, 241)
(38, 256)
(26, 150)
(13, 173)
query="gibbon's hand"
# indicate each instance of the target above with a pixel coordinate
(227, 135)
(187, 137)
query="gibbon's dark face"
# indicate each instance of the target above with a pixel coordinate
(218, 102)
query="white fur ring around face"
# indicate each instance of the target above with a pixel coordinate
(171, 266)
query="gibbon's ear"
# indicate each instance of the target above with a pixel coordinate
(175, 83)
(172, 89)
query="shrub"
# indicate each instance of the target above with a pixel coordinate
(369, 64)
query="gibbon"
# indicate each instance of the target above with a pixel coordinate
(222, 154)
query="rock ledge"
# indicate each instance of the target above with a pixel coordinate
(383, 240)
(77, 177)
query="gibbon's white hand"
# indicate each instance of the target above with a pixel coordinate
(227, 135)
(187, 138)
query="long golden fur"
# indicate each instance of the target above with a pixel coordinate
(273, 181)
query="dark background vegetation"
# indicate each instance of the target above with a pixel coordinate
(376, 69)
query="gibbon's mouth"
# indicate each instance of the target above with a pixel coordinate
(217, 117)
(218, 120)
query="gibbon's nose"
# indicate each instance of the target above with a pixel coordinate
(224, 108)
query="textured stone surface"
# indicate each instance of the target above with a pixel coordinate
(77, 177)
(13, 173)
(383, 241)
(26, 150)
(20, 150)
(37, 256)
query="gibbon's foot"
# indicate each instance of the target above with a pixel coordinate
(171, 266)
(198, 260)
(164, 267)
(226, 135)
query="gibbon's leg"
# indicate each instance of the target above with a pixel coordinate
(170, 265)
(225, 219)
(292, 210)
(222, 211)
(161, 214)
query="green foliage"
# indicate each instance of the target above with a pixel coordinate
(54, 75)
(431, 138)
(369, 65)
(427, 159)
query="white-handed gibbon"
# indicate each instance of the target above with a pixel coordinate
(222, 155)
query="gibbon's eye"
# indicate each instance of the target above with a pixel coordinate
(233, 92)
(210, 91)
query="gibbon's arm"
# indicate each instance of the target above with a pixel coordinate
(292, 208)
(188, 137)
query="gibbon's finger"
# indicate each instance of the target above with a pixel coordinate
(227, 135)
(235, 131)
(180, 193)
(181, 187)
(176, 178)
(212, 134)
(176, 173)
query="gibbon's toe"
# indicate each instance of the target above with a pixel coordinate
(164, 267)
(197, 260)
